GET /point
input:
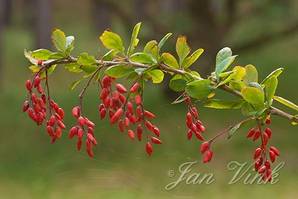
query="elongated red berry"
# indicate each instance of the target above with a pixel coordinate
(104, 93)
(58, 132)
(135, 87)
(275, 150)
(81, 121)
(257, 135)
(156, 131)
(36, 81)
(89, 123)
(50, 131)
(265, 138)
(120, 88)
(91, 138)
(129, 107)
(131, 134)
(138, 99)
(257, 153)
(189, 134)
(116, 116)
(76, 111)
(139, 132)
(199, 135)
(207, 156)
(73, 131)
(155, 140)
(268, 132)
(103, 113)
(272, 156)
(251, 133)
(29, 85)
(149, 148)
(106, 81)
(204, 147)
(61, 124)
(89, 149)
(262, 169)
(194, 111)
(149, 115)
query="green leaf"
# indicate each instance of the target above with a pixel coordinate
(274, 73)
(134, 39)
(177, 83)
(253, 96)
(56, 55)
(223, 54)
(28, 55)
(248, 110)
(119, 71)
(156, 76)
(199, 89)
(59, 40)
(41, 54)
(192, 58)
(169, 60)
(251, 74)
(152, 48)
(73, 67)
(86, 60)
(182, 49)
(222, 66)
(112, 41)
(286, 102)
(34, 68)
(163, 40)
(109, 55)
(270, 88)
(69, 44)
(223, 104)
(144, 58)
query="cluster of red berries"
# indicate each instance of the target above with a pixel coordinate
(127, 111)
(36, 107)
(84, 127)
(262, 164)
(196, 127)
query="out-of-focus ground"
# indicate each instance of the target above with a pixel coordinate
(31, 167)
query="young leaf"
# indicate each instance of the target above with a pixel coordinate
(222, 66)
(144, 58)
(34, 68)
(69, 44)
(270, 88)
(169, 60)
(156, 76)
(286, 102)
(59, 40)
(274, 73)
(112, 41)
(152, 48)
(28, 55)
(73, 68)
(199, 89)
(223, 54)
(119, 71)
(177, 83)
(192, 58)
(182, 49)
(222, 104)
(163, 40)
(253, 96)
(134, 39)
(251, 74)
(41, 54)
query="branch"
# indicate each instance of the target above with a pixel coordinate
(164, 68)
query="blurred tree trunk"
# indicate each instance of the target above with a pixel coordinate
(101, 14)
(43, 23)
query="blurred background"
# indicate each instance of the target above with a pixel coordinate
(262, 32)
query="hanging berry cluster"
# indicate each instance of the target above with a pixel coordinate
(126, 108)
(36, 107)
(262, 156)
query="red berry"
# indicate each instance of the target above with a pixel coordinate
(149, 148)
(52, 120)
(204, 147)
(73, 131)
(272, 156)
(199, 136)
(275, 150)
(257, 135)
(257, 153)
(120, 88)
(251, 133)
(58, 132)
(103, 113)
(104, 93)
(76, 111)
(138, 99)
(149, 115)
(129, 107)
(116, 116)
(50, 131)
(91, 138)
(268, 132)
(189, 134)
(156, 131)
(155, 140)
(268, 121)
(106, 81)
(135, 87)
(139, 132)
(131, 134)
(265, 138)
(81, 121)
(36, 81)
(60, 111)
(61, 124)
(121, 125)
(29, 85)
(89, 149)
(39, 62)
(207, 156)
(262, 169)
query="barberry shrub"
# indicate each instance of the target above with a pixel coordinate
(124, 106)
